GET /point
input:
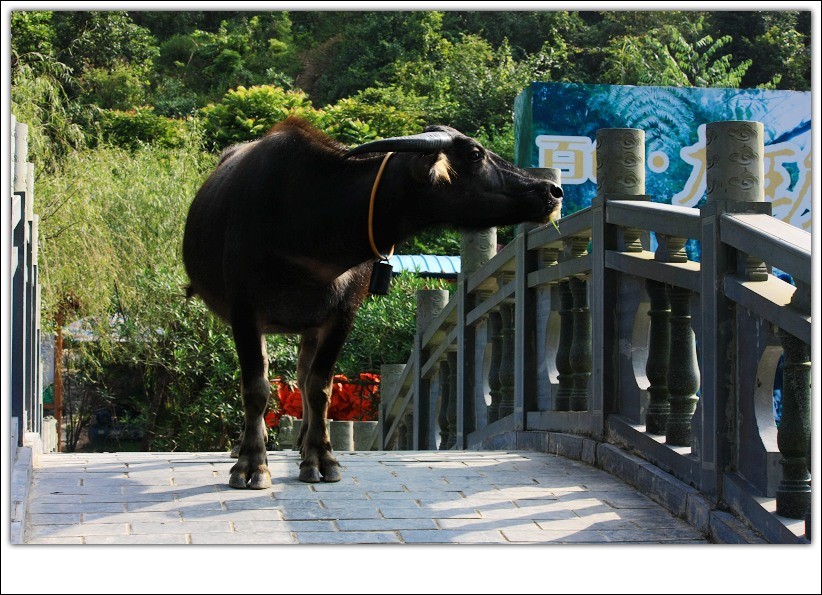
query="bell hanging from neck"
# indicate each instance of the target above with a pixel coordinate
(380, 278)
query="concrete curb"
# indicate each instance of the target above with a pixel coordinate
(20, 480)
(21, 475)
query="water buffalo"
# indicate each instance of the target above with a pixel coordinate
(277, 241)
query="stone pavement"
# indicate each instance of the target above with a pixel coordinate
(396, 497)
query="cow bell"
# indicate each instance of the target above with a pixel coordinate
(380, 278)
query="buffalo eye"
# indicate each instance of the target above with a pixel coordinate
(475, 155)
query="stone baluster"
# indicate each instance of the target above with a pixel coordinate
(670, 249)
(659, 347)
(793, 496)
(451, 409)
(494, 384)
(683, 370)
(445, 397)
(565, 377)
(580, 355)
(506, 367)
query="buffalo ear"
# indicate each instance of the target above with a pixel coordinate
(441, 171)
(422, 166)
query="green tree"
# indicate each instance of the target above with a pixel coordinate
(778, 43)
(39, 99)
(667, 56)
(90, 39)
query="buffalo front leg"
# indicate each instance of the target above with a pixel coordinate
(251, 468)
(318, 461)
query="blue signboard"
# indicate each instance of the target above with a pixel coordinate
(555, 126)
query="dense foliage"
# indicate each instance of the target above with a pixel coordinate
(128, 111)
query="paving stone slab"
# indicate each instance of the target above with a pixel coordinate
(269, 526)
(304, 514)
(254, 514)
(385, 524)
(541, 536)
(58, 518)
(55, 541)
(132, 517)
(153, 539)
(420, 513)
(75, 507)
(486, 524)
(34, 531)
(347, 537)
(280, 537)
(452, 536)
(181, 527)
(172, 505)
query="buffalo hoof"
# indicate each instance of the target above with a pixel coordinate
(309, 473)
(331, 472)
(243, 477)
(260, 480)
(238, 480)
(235, 451)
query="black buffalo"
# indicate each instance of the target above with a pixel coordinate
(276, 241)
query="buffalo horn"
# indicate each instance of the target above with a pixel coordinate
(426, 142)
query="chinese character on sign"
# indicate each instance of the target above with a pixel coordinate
(787, 199)
(574, 155)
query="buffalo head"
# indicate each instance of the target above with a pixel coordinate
(470, 186)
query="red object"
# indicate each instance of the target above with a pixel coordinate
(352, 400)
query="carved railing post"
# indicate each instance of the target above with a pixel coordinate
(580, 356)
(735, 183)
(390, 375)
(565, 376)
(793, 496)
(494, 384)
(451, 409)
(659, 348)
(430, 302)
(445, 397)
(683, 371)
(506, 368)
(476, 249)
(620, 173)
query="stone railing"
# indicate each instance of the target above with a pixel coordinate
(587, 331)
(25, 373)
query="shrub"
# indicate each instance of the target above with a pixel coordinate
(140, 126)
(248, 113)
(120, 87)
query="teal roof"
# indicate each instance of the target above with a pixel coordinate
(427, 265)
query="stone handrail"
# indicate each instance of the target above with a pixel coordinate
(670, 358)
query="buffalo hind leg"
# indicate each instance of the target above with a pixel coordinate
(308, 346)
(251, 468)
(318, 461)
